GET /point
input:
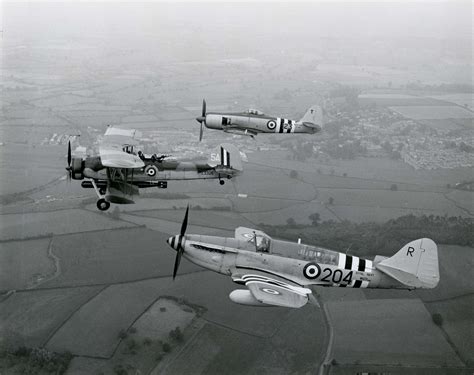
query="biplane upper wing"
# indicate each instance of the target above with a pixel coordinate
(270, 289)
(112, 149)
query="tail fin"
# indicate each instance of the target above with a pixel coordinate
(227, 156)
(415, 265)
(313, 118)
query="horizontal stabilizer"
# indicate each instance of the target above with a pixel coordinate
(415, 265)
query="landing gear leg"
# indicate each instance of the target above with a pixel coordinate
(221, 181)
(103, 205)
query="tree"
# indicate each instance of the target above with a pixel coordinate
(293, 174)
(331, 200)
(291, 222)
(394, 187)
(315, 219)
(437, 319)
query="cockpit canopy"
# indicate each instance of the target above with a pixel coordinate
(255, 112)
(263, 243)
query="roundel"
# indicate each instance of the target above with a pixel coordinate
(271, 124)
(270, 291)
(151, 170)
(311, 270)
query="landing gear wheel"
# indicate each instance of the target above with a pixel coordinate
(222, 182)
(102, 191)
(103, 205)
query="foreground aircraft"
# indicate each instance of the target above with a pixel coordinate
(252, 122)
(119, 171)
(278, 273)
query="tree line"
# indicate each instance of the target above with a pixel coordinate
(370, 238)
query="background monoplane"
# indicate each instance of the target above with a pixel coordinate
(252, 122)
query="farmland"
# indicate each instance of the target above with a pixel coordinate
(99, 284)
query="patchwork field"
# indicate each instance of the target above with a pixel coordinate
(216, 349)
(79, 334)
(388, 332)
(30, 318)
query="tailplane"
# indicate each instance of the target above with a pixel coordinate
(415, 265)
(313, 118)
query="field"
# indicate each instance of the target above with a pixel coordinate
(216, 349)
(401, 328)
(457, 323)
(432, 112)
(78, 334)
(17, 226)
(28, 263)
(30, 318)
(103, 257)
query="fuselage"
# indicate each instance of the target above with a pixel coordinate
(154, 172)
(302, 264)
(256, 123)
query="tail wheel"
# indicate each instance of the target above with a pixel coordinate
(222, 182)
(103, 205)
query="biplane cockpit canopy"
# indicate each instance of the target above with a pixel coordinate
(117, 149)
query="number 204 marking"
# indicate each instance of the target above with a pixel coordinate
(336, 276)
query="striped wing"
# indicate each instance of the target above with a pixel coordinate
(273, 290)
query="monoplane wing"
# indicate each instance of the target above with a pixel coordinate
(273, 290)
(116, 149)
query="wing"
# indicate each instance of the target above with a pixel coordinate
(112, 149)
(274, 290)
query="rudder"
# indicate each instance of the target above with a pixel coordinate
(415, 265)
(313, 117)
(227, 156)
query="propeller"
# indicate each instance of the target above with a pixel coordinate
(180, 248)
(202, 118)
(69, 159)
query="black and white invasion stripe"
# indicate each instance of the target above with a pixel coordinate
(353, 263)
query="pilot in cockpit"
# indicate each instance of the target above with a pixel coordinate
(128, 149)
(262, 244)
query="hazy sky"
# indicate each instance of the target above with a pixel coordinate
(449, 19)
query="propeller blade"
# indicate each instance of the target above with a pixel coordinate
(203, 114)
(69, 157)
(185, 222)
(179, 252)
(200, 134)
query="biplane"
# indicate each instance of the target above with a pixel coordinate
(252, 122)
(279, 273)
(120, 169)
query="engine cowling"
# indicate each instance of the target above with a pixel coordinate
(244, 297)
(77, 169)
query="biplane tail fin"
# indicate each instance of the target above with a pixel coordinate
(227, 156)
(415, 265)
(313, 118)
